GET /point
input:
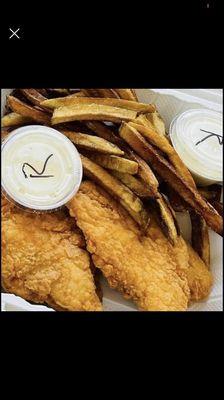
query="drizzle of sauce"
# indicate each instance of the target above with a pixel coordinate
(219, 137)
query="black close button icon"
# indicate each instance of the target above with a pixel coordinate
(14, 33)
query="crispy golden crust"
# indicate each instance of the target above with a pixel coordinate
(200, 237)
(128, 94)
(34, 96)
(133, 183)
(170, 175)
(87, 112)
(132, 263)
(43, 260)
(24, 109)
(112, 162)
(103, 131)
(90, 142)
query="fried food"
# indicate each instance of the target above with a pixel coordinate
(25, 110)
(212, 192)
(152, 121)
(119, 164)
(166, 219)
(34, 96)
(218, 206)
(162, 143)
(145, 173)
(170, 175)
(111, 93)
(132, 263)
(96, 112)
(200, 237)
(44, 260)
(89, 142)
(133, 183)
(14, 119)
(103, 131)
(119, 191)
(120, 103)
(127, 94)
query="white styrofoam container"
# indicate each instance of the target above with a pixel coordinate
(169, 102)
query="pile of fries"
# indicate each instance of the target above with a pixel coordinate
(125, 149)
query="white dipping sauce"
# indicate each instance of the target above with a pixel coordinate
(197, 137)
(41, 168)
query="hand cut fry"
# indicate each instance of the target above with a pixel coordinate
(89, 142)
(218, 206)
(91, 92)
(212, 192)
(127, 94)
(163, 144)
(145, 173)
(34, 96)
(167, 219)
(170, 175)
(119, 191)
(115, 163)
(120, 103)
(14, 119)
(133, 183)
(157, 122)
(200, 237)
(103, 131)
(148, 122)
(23, 109)
(107, 93)
(60, 92)
(90, 112)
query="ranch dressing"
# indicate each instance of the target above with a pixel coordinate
(41, 168)
(197, 136)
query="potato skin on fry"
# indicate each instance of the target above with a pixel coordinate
(128, 94)
(34, 96)
(90, 142)
(169, 174)
(14, 119)
(22, 108)
(200, 237)
(134, 184)
(119, 191)
(115, 163)
(91, 112)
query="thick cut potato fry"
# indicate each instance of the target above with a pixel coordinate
(89, 142)
(200, 237)
(212, 192)
(157, 122)
(218, 206)
(107, 93)
(90, 112)
(115, 163)
(103, 131)
(120, 103)
(167, 219)
(60, 92)
(91, 92)
(163, 144)
(23, 109)
(148, 122)
(172, 177)
(119, 191)
(14, 119)
(133, 183)
(33, 96)
(145, 173)
(127, 94)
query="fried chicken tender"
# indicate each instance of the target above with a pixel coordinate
(134, 264)
(44, 260)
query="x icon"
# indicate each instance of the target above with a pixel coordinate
(14, 33)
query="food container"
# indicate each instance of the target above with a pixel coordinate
(170, 103)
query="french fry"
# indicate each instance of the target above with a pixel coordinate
(218, 206)
(91, 92)
(176, 202)
(163, 144)
(120, 103)
(60, 92)
(25, 110)
(33, 96)
(119, 191)
(103, 131)
(133, 183)
(145, 173)
(172, 177)
(212, 192)
(127, 94)
(14, 119)
(90, 112)
(157, 122)
(166, 218)
(107, 93)
(200, 237)
(115, 163)
(148, 122)
(89, 142)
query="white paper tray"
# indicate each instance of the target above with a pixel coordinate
(170, 102)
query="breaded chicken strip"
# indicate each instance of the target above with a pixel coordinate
(188, 262)
(44, 261)
(132, 263)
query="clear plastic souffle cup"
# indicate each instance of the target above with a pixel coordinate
(41, 168)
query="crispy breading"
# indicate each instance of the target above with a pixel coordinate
(44, 260)
(132, 263)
